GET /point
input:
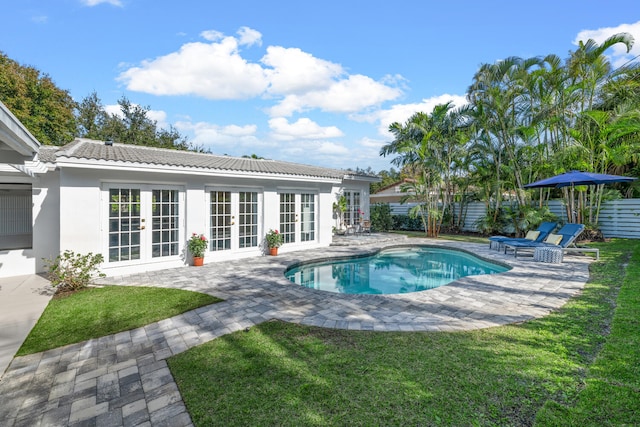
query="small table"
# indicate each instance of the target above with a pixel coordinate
(548, 254)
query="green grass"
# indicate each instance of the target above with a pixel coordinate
(611, 396)
(96, 312)
(577, 366)
(444, 236)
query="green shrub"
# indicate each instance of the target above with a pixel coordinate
(405, 222)
(71, 271)
(381, 219)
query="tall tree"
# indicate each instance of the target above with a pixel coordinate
(91, 117)
(131, 126)
(44, 109)
(429, 146)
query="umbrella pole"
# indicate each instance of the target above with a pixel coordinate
(573, 204)
(567, 205)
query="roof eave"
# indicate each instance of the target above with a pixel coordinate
(65, 162)
(364, 178)
(15, 135)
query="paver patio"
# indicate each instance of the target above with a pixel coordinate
(123, 379)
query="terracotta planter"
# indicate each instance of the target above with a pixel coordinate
(273, 251)
(198, 261)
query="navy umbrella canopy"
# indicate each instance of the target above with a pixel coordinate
(574, 178)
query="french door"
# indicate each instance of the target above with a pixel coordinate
(353, 214)
(234, 219)
(143, 223)
(298, 217)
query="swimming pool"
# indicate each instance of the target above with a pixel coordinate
(392, 271)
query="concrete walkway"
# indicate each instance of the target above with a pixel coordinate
(22, 301)
(123, 379)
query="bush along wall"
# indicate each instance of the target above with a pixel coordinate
(404, 222)
(381, 218)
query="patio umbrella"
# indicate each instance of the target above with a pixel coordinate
(573, 178)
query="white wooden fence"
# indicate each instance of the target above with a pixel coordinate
(618, 218)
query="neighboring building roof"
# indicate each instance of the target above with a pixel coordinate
(391, 193)
(395, 184)
(98, 151)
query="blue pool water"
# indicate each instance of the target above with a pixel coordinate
(392, 271)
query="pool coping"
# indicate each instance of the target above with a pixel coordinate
(529, 290)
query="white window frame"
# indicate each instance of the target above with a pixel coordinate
(146, 211)
(298, 192)
(235, 230)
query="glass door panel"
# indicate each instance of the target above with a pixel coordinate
(221, 221)
(247, 219)
(288, 217)
(164, 220)
(124, 224)
(308, 217)
(352, 215)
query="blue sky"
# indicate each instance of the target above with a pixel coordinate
(308, 82)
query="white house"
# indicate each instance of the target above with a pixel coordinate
(137, 206)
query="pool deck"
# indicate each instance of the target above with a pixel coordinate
(123, 379)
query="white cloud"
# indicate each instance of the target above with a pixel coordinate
(368, 153)
(304, 128)
(160, 117)
(618, 52)
(221, 139)
(40, 19)
(211, 70)
(350, 95)
(402, 112)
(295, 71)
(332, 148)
(374, 144)
(321, 151)
(92, 3)
(212, 35)
(295, 80)
(249, 37)
(113, 109)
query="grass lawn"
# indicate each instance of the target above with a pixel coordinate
(443, 236)
(577, 366)
(96, 312)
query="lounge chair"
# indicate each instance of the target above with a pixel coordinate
(543, 231)
(563, 239)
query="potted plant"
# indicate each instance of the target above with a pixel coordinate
(198, 245)
(274, 241)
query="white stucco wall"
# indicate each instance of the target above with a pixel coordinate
(17, 263)
(84, 223)
(46, 219)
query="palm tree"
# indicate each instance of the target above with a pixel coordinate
(428, 145)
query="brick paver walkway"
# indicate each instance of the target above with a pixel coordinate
(123, 379)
